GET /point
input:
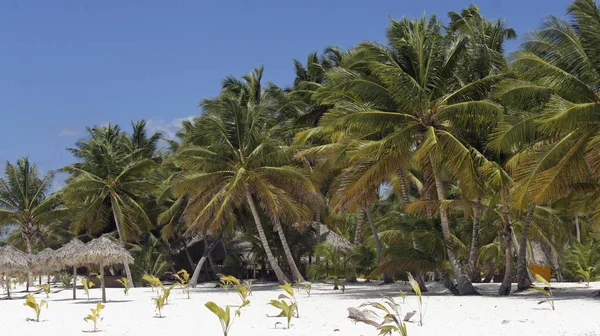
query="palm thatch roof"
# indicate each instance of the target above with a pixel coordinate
(68, 253)
(104, 251)
(327, 235)
(13, 260)
(44, 261)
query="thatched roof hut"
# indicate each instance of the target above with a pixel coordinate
(325, 235)
(44, 261)
(103, 252)
(67, 255)
(13, 260)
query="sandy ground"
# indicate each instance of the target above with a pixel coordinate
(323, 313)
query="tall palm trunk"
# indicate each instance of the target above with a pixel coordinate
(357, 241)
(463, 284)
(506, 285)
(207, 250)
(472, 270)
(263, 239)
(30, 251)
(523, 280)
(125, 263)
(297, 276)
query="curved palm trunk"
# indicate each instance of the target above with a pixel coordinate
(207, 250)
(472, 269)
(297, 276)
(505, 287)
(387, 278)
(463, 284)
(125, 264)
(263, 239)
(523, 280)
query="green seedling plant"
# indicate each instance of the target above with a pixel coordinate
(167, 292)
(291, 296)
(46, 288)
(228, 281)
(286, 309)
(248, 285)
(402, 295)
(548, 292)
(94, 315)
(338, 284)
(125, 283)
(415, 286)
(87, 284)
(586, 275)
(224, 315)
(308, 287)
(36, 306)
(183, 279)
(153, 281)
(392, 323)
(160, 302)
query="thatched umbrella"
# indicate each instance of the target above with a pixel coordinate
(104, 252)
(67, 256)
(12, 260)
(44, 262)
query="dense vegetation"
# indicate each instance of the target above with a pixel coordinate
(432, 153)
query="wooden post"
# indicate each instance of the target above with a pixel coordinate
(74, 282)
(102, 283)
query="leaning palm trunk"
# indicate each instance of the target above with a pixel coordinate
(505, 287)
(351, 277)
(263, 239)
(387, 278)
(523, 280)
(297, 276)
(207, 250)
(463, 284)
(125, 264)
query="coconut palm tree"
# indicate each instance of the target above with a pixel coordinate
(239, 159)
(109, 185)
(24, 201)
(405, 101)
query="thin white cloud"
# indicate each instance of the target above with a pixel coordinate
(68, 132)
(168, 128)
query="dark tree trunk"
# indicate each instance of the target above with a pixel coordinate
(523, 281)
(207, 250)
(472, 270)
(505, 287)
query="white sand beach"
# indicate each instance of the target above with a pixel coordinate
(323, 313)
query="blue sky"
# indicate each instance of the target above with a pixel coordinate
(68, 64)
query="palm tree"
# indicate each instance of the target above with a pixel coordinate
(239, 159)
(109, 183)
(405, 101)
(24, 201)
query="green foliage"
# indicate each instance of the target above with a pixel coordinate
(152, 280)
(415, 286)
(87, 284)
(183, 280)
(94, 315)
(66, 280)
(392, 322)
(335, 262)
(150, 259)
(160, 302)
(547, 292)
(338, 284)
(224, 315)
(286, 309)
(37, 307)
(125, 283)
(583, 261)
(167, 291)
(46, 288)
(227, 281)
